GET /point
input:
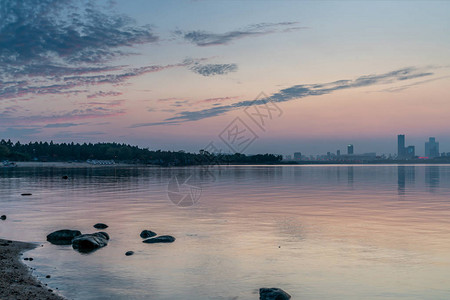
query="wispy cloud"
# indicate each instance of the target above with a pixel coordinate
(10, 110)
(52, 37)
(103, 94)
(407, 86)
(299, 92)
(63, 125)
(72, 84)
(113, 103)
(154, 124)
(213, 69)
(205, 38)
(63, 117)
(46, 40)
(119, 77)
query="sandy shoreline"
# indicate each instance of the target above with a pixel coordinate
(16, 281)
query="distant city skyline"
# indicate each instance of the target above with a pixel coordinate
(430, 148)
(174, 75)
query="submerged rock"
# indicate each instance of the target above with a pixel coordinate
(63, 237)
(90, 242)
(273, 294)
(145, 234)
(3, 217)
(100, 226)
(128, 253)
(160, 239)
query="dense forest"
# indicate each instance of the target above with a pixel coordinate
(44, 151)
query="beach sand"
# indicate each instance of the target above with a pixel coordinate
(16, 281)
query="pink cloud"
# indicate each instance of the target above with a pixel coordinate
(104, 94)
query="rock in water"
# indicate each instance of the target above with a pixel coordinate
(128, 253)
(160, 239)
(63, 237)
(26, 194)
(90, 242)
(273, 294)
(65, 177)
(3, 217)
(100, 226)
(145, 234)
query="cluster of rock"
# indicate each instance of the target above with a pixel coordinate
(87, 243)
(90, 242)
(82, 242)
(150, 237)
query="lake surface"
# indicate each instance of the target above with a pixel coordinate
(318, 232)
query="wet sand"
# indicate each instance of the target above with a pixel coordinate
(16, 281)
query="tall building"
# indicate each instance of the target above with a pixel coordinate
(401, 151)
(338, 153)
(432, 148)
(297, 155)
(411, 152)
(350, 149)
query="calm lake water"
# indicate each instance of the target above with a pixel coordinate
(318, 232)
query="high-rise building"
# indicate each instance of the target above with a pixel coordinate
(338, 153)
(350, 149)
(411, 152)
(401, 151)
(297, 155)
(432, 148)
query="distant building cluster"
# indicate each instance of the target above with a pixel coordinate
(404, 152)
(431, 149)
(338, 157)
(100, 162)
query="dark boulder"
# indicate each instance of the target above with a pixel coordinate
(3, 217)
(100, 226)
(129, 253)
(160, 239)
(145, 234)
(63, 237)
(89, 242)
(273, 294)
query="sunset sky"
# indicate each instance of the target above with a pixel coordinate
(173, 75)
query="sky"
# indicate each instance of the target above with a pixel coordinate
(236, 76)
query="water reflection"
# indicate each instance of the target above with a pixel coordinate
(406, 175)
(432, 178)
(341, 231)
(350, 176)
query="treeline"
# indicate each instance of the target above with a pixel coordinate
(44, 151)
